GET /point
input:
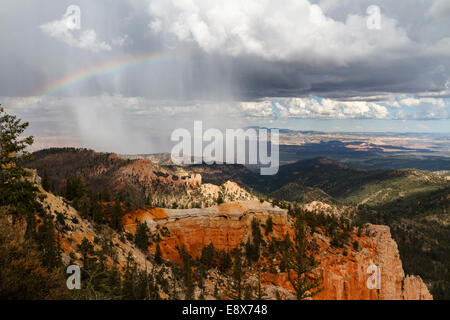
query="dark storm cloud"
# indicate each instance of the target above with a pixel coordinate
(230, 63)
(212, 65)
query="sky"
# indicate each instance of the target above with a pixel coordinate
(121, 75)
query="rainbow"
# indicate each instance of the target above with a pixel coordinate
(106, 68)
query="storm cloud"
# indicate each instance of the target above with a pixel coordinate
(251, 60)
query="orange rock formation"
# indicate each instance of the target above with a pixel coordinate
(344, 275)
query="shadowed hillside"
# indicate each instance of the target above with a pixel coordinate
(412, 202)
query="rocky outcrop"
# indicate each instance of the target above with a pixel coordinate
(225, 226)
(228, 192)
(346, 277)
(344, 272)
(140, 180)
(415, 289)
(75, 229)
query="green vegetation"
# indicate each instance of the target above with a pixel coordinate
(333, 183)
(18, 195)
(420, 225)
(142, 236)
(187, 273)
(23, 273)
(236, 287)
(45, 181)
(158, 256)
(75, 188)
(30, 267)
(416, 206)
(253, 246)
(299, 259)
(269, 226)
(414, 203)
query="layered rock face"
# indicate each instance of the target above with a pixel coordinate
(344, 272)
(225, 226)
(347, 277)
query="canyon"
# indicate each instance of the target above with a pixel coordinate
(344, 276)
(192, 207)
(342, 270)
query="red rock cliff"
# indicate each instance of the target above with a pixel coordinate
(344, 275)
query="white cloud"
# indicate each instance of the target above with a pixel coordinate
(108, 117)
(401, 108)
(59, 29)
(314, 108)
(260, 109)
(331, 109)
(410, 102)
(440, 9)
(416, 102)
(425, 108)
(293, 30)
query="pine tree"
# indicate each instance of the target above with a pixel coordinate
(208, 255)
(48, 243)
(220, 198)
(256, 233)
(128, 284)
(97, 214)
(86, 248)
(200, 275)
(45, 181)
(114, 282)
(22, 273)
(28, 267)
(18, 195)
(141, 238)
(260, 295)
(83, 205)
(142, 286)
(158, 256)
(269, 226)
(236, 287)
(299, 260)
(225, 262)
(153, 285)
(75, 188)
(187, 274)
(252, 248)
(116, 216)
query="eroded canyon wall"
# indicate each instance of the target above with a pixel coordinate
(344, 272)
